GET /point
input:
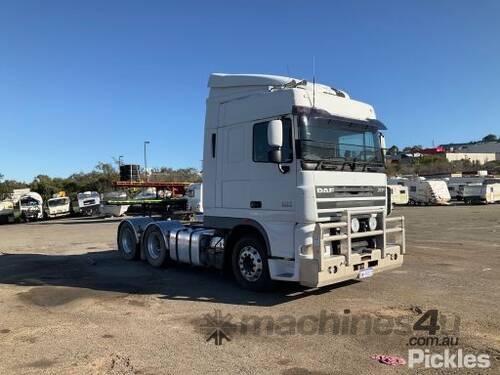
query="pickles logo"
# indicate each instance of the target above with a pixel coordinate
(448, 359)
(433, 323)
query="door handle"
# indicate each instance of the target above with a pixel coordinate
(256, 204)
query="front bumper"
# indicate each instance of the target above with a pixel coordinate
(325, 267)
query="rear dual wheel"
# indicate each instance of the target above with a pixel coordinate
(127, 242)
(154, 247)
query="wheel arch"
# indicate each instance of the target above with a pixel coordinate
(240, 231)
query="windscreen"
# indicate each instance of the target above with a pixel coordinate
(57, 202)
(339, 141)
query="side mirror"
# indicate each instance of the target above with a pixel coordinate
(275, 133)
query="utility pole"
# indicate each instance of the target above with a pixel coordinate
(146, 159)
(120, 160)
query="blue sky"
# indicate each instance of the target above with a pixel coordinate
(86, 81)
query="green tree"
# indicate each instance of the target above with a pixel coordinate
(490, 138)
(393, 150)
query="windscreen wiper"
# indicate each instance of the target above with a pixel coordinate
(322, 164)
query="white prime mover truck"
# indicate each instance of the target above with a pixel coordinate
(294, 189)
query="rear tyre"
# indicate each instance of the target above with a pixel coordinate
(154, 247)
(250, 264)
(127, 242)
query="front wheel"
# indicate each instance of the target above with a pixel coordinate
(250, 265)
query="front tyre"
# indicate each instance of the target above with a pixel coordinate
(250, 265)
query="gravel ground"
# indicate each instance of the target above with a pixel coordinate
(70, 305)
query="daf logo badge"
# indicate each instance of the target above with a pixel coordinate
(325, 190)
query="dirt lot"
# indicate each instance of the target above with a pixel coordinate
(70, 305)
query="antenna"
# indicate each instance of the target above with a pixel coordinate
(287, 70)
(314, 81)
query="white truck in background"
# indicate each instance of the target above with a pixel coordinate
(57, 207)
(88, 203)
(486, 192)
(294, 189)
(10, 209)
(7, 215)
(427, 192)
(31, 206)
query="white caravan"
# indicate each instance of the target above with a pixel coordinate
(31, 206)
(89, 203)
(399, 194)
(428, 192)
(57, 207)
(194, 194)
(456, 185)
(487, 192)
(294, 189)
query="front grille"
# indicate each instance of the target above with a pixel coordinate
(347, 204)
(349, 191)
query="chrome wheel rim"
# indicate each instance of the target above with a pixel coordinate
(128, 241)
(154, 245)
(250, 263)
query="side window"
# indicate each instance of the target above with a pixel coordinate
(413, 189)
(261, 148)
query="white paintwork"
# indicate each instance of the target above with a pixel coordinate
(88, 201)
(457, 184)
(148, 193)
(399, 194)
(58, 207)
(194, 194)
(232, 179)
(275, 133)
(424, 191)
(116, 210)
(486, 192)
(36, 203)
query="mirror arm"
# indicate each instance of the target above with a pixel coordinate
(284, 169)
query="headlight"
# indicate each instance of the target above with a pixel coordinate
(372, 223)
(354, 225)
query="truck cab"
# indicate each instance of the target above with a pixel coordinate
(57, 207)
(294, 183)
(88, 203)
(317, 197)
